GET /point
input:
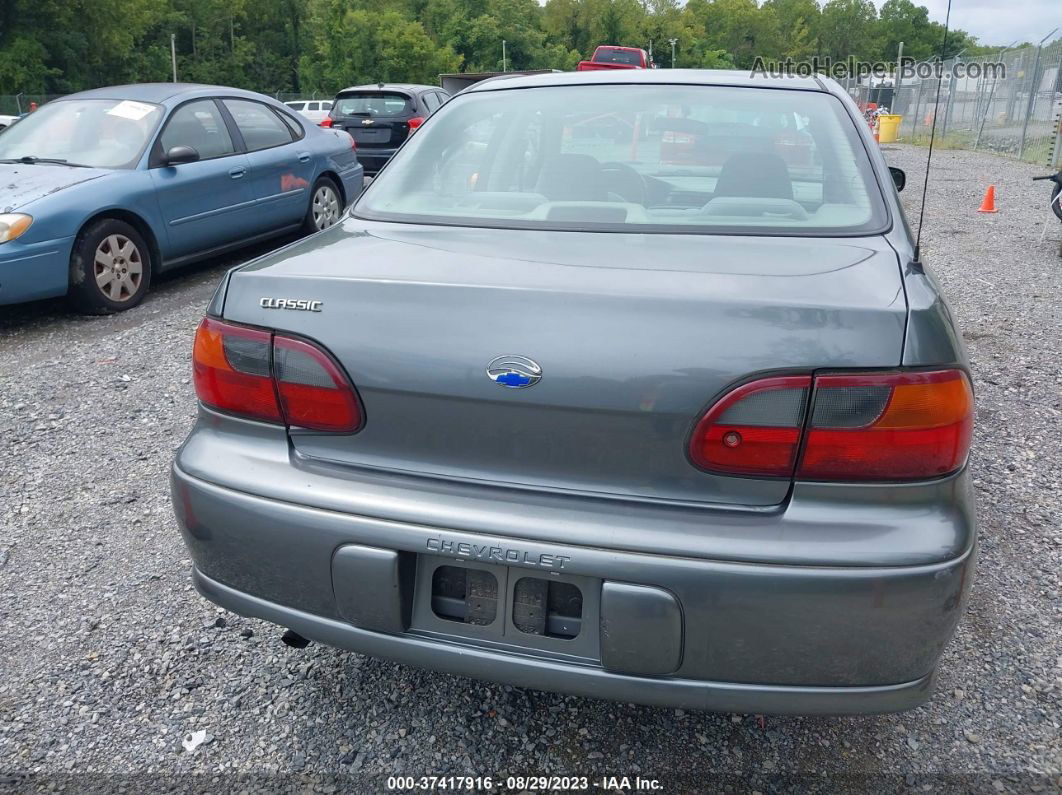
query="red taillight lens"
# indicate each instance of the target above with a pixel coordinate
(264, 376)
(753, 430)
(230, 366)
(862, 427)
(326, 123)
(314, 393)
(888, 426)
(415, 122)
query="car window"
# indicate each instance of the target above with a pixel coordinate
(431, 102)
(296, 105)
(199, 125)
(294, 127)
(104, 133)
(326, 106)
(260, 127)
(313, 106)
(640, 158)
(605, 55)
(373, 103)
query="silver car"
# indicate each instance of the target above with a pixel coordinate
(628, 385)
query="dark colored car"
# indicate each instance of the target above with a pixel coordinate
(380, 117)
(545, 409)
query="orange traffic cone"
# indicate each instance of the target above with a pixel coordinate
(989, 203)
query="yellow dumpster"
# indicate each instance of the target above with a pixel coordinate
(888, 128)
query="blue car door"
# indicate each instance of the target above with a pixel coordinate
(209, 202)
(282, 167)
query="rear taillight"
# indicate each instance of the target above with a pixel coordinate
(896, 426)
(415, 122)
(313, 392)
(753, 430)
(231, 368)
(270, 377)
(326, 123)
(861, 427)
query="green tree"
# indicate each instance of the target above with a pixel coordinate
(24, 64)
(902, 20)
(738, 27)
(797, 23)
(847, 28)
(59, 46)
(361, 46)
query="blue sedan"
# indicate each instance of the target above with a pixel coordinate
(103, 189)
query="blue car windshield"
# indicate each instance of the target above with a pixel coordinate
(102, 133)
(636, 158)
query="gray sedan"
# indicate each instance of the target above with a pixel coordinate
(628, 385)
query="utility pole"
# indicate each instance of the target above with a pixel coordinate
(899, 78)
(672, 42)
(173, 54)
(503, 56)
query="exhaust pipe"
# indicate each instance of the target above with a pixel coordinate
(294, 639)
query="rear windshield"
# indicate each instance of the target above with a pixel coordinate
(372, 103)
(659, 158)
(618, 56)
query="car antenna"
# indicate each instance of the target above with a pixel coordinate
(932, 133)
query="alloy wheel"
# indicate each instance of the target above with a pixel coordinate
(325, 207)
(118, 267)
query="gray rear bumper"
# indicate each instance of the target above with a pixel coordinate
(544, 674)
(754, 636)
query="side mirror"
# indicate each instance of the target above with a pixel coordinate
(899, 178)
(181, 154)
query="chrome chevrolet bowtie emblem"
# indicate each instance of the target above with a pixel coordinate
(514, 372)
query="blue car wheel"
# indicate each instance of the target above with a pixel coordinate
(110, 268)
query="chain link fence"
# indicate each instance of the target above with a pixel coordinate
(285, 96)
(17, 104)
(1014, 109)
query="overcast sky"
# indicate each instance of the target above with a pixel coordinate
(999, 21)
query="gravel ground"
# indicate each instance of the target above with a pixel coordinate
(108, 658)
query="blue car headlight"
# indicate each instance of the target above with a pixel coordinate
(13, 225)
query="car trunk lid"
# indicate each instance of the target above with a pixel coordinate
(635, 336)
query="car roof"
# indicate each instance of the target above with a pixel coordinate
(407, 87)
(698, 77)
(163, 92)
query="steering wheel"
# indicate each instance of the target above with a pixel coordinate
(623, 180)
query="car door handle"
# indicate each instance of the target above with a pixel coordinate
(237, 172)
(304, 157)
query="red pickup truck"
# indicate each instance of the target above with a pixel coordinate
(609, 56)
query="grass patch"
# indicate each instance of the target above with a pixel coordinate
(1037, 150)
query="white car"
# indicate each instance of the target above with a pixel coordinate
(7, 121)
(314, 110)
